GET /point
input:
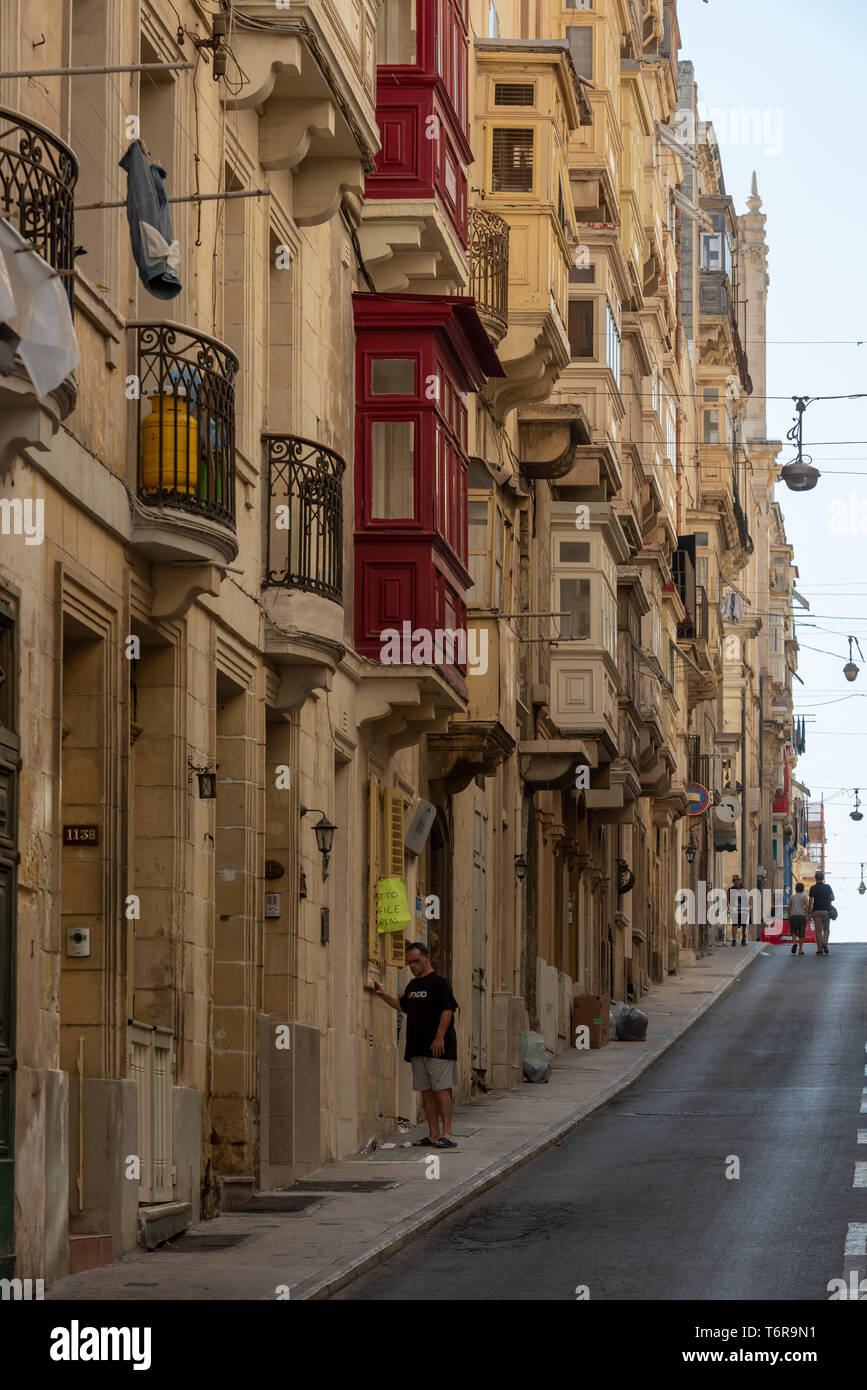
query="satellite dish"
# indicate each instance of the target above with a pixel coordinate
(728, 810)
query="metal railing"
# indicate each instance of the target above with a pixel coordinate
(185, 444)
(305, 525)
(38, 174)
(488, 249)
(693, 758)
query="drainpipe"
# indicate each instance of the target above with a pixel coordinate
(744, 778)
(761, 769)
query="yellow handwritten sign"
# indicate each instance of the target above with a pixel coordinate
(392, 906)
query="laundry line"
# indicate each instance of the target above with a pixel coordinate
(183, 198)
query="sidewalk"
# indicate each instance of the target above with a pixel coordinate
(314, 1252)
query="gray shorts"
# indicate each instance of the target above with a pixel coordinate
(434, 1074)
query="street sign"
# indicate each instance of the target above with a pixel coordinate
(699, 798)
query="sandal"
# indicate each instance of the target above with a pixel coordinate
(446, 1143)
(425, 1143)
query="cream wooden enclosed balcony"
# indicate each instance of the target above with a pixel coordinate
(528, 101)
(311, 78)
(303, 581)
(38, 174)
(183, 446)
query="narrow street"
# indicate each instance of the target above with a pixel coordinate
(635, 1203)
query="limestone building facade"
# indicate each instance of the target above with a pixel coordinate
(396, 546)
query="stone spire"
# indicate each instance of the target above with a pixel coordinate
(754, 202)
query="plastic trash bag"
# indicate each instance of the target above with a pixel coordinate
(536, 1065)
(627, 1023)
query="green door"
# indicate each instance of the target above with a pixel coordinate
(9, 766)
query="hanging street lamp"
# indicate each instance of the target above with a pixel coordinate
(862, 886)
(850, 670)
(857, 813)
(800, 475)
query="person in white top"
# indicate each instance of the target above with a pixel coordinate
(798, 913)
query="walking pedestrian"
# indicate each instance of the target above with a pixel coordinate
(798, 909)
(739, 910)
(431, 1042)
(821, 898)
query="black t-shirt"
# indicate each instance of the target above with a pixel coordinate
(423, 1002)
(821, 895)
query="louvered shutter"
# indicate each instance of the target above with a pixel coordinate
(580, 40)
(374, 940)
(512, 160)
(395, 949)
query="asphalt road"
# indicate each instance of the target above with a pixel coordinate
(635, 1203)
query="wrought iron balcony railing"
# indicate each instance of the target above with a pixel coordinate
(488, 247)
(38, 173)
(185, 437)
(305, 526)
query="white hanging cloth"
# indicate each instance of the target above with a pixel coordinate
(34, 304)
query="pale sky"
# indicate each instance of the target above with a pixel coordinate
(804, 65)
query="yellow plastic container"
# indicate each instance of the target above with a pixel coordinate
(170, 421)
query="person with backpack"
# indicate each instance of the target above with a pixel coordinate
(819, 906)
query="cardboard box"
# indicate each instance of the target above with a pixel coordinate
(592, 1010)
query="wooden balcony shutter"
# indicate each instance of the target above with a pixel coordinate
(580, 40)
(581, 327)
(514, 93)
(374, 940)
(512, 161)
(394, 833)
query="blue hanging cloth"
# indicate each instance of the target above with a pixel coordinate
(156, 253)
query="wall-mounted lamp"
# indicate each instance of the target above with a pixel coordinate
(207, 780)
(520, 867)
(324, 832)
(691, 850)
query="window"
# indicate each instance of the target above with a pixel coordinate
(710, 434)
(514, 93)
(561, 210)
(575, 552)
(393, 459)
(580, 40)
(392, 376)
(582, 275)
(477, 560)
(574, 602)
(581, 327)
(612, 342)
(396, 33)
(512, 161)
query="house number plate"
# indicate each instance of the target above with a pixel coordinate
(81, 834)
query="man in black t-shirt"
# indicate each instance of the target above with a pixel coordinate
(431, 1042)
(819, 905)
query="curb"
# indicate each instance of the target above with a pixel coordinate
(321, 1287)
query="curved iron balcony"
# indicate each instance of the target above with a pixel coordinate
(488, 249)
(38, 174)
(185, 435)
(305, 526)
